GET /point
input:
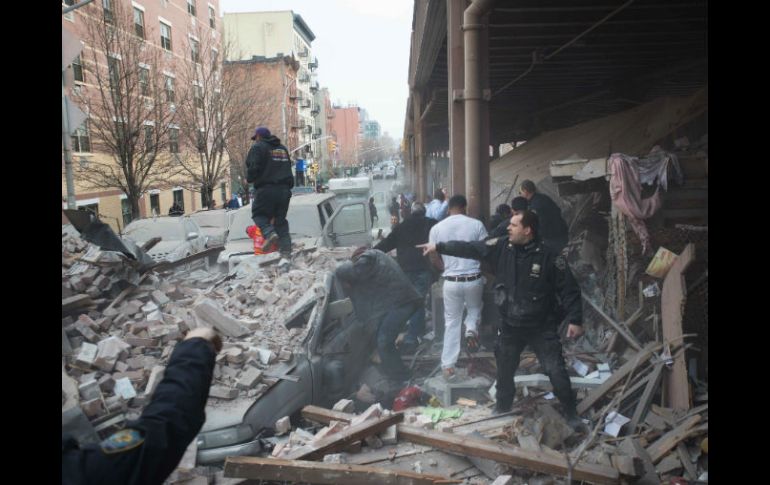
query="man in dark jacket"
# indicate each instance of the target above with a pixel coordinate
(553, 228)
(530, 278)
(382, 295)
(404, 239)
(268, 168)
(518, 205)
(148, 449)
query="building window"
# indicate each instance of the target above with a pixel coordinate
(173, 140)
(109, 16)
(179, 198)
(149, 138)
(113, 66)
(81, 141)
(125, 207)
(77, 69)
(165, 36)
(195, 51)
(139, 23)
(198, 94)
(169, 87)
(155, 204)
(212, 17)
(90, 208)
(144, 81)
(191, 7)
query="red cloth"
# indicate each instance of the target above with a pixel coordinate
(407, 398)
(256, 235)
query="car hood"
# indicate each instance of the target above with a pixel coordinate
(167, 250)
(221, 414)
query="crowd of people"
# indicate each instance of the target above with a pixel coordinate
(534, 291)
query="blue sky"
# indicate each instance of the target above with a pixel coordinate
(362, 48)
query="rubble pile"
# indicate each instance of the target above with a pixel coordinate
(120, 331)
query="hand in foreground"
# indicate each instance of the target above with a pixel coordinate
(574, 331)
(427, 248)
(208, 334)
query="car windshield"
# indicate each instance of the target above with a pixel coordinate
(216, 219)
(144, 230)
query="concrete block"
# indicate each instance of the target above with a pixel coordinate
(124, 388)
(266, 356)
(249, 378)
(234, 355)
(86, 331)
(223, 392)
(282, 426)
(209, 314)
(390, 436)
(156, 375)
(335, 458)
(503, 480)
(141, 342)
(159, 298)
(155, 331)
(121, 366)
(149, 307)
(267, 296)
(87, 354)
(344, 405)
(110, 350)
(92, 408)
(89, 390)
(449, 392)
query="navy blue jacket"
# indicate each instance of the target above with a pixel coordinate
(166, 427)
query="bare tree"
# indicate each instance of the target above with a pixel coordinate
(129, 114)
(216, 105)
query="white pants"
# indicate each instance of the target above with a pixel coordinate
(459, 295)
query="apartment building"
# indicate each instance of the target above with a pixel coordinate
(278, 34)
(184, 37)
(324, 146)
(346, 130)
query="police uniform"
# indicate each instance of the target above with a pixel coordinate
(150, 448)
(533, 284)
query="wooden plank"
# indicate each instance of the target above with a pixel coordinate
(627, 336)
(632, 447)
(668, 441)
(673, 298)
(482, 448)
(340, 441)
(644, 402)
(595, 395)
(299, 471)
(684, 457)
(631, 320)
(517, 457)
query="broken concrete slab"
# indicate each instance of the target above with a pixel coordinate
(124, 388)
(223, 392)
(159, 298)
(249, 378)
(109, 351)
(209, 313)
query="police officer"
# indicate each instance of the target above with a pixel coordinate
(530, 279)
(553, 229)
(149, 449)
(268, 168)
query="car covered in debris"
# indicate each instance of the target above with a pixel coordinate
(314, 220)
(335, 351)
(180, 236)
(214, 225)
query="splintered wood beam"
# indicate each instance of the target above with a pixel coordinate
(653, 384)
(346, 437)
(673, 297)
(668, 441)
(482, 448)
(299, 471)
(639, 359)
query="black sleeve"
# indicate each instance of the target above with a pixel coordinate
(168, 425)
(389, 243)
(499, 230)
(479, 250)
(569, 291)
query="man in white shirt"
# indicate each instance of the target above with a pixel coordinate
(463, 283)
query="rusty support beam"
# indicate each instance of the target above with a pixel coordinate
(456, 83)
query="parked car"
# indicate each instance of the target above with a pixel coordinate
(180, 236)
(213, 224)
(390, 172)
(336, 350)
(314, 219)
(378, 173)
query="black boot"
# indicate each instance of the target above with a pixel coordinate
(574, 421)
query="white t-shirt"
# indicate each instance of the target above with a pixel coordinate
(458, 227)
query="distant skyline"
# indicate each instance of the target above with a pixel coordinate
(362, 48)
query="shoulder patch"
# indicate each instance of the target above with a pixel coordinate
(123, 440)
(561, 262)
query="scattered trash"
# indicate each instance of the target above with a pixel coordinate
(651, 291)
(661, 263)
